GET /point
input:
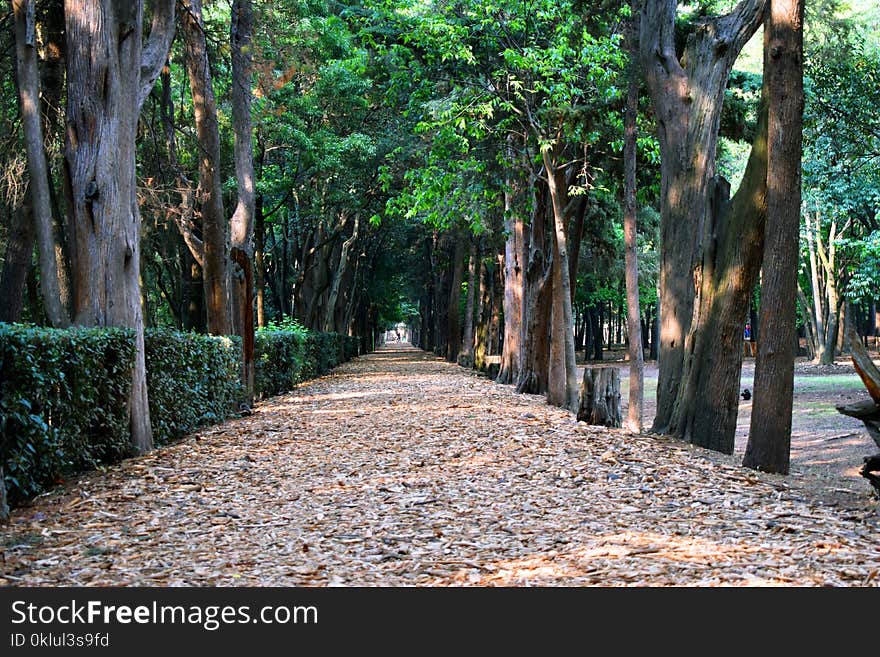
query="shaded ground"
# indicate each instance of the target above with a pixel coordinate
(401, 469)
(827, 448)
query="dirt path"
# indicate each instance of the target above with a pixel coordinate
(401, 469)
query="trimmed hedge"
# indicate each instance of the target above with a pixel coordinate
(285, 357)
(63, 392)
(192, 380)
(62, 403)
(279, 357)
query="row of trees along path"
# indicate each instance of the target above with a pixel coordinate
(401, 468)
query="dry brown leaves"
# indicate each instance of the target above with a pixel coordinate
(400, 469)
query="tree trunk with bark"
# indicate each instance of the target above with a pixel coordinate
(562, 387)
(484, 318)
(241, 225)
(17, 263)
(28, 79)
(600, 397)
(514, 265)
(537, 303)
(687, 94)
(708, 403)
(630, 236)
(769, 443)
(466, 358)
(214, 226)
(453, 337)
(110, 72)
(338, 275)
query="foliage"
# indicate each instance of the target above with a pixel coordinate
(63, 392)
(288, 354)
(62, 403)
(279, 360)
(192, 380)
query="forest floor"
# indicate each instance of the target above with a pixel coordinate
(401, 469)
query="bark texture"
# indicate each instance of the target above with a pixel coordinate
(210, 194)
(687, 95)
(708, 402)
(630, 236)
(241, 225)
(769, 443)
(600, 397)
(562, 387)
(28, 79)
(110, 73)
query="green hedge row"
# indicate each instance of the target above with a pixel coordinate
(63, 393)
(286, 357)
(62, 403)
(192, 380)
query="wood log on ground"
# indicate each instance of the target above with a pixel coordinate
(868, 410)
(865, 366)
(600, 397)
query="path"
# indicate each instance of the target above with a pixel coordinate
(401, 469)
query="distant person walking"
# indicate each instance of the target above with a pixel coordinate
(749, 346)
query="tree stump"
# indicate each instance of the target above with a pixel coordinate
(600, 397)
(868, 411)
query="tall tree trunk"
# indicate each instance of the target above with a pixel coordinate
(563, 384)
(214, 226)
(537, 301)
(467, 340)
(52, 49)
(687, 98)
(339, 274)
(453, 320)
(110, 72)
(496, 323)
(709, 396)
(259, 261)
(17, 264)
(484, 305)
(514, 265)
(39, 189)
(769, 443)
(241, 225)
(630, 235)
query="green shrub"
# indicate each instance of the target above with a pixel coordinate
(352, 347)
(192, 380)
(287, 356)
(63, 393)
(62, 403)
(279, 357)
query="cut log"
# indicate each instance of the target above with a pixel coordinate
(865, 366)
(868, 412)
(600, 397)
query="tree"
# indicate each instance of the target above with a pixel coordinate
(242, 221)
(634, 330)
(110, 72)
(769, 443)
(39, 188)
(687, 90)
(215, 233)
